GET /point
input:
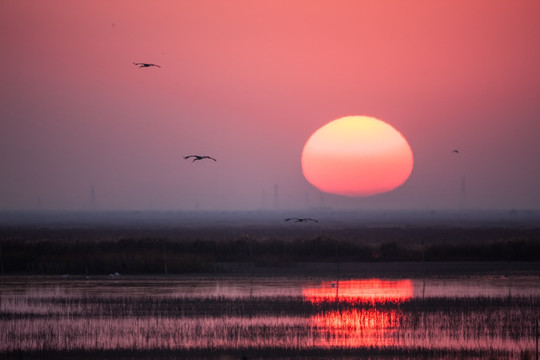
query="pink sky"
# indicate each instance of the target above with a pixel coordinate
(248, 82)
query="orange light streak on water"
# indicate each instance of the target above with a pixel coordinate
(361, 291)
(359, 327)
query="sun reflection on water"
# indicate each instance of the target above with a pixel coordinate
(377, 314)
(362, 323)
(361, 291)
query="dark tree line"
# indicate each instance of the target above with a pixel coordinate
(103, 251)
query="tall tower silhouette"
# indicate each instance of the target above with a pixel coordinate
(276, 197)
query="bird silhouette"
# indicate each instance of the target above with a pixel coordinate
(301, 220)
(199, 157)
(455, 151)
(146, 65)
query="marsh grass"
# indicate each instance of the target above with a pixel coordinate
(207, 326)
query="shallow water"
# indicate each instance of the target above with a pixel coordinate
(257, 286)
(464, 316)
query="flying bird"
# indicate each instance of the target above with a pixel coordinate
(301, 220)
(199, 157)
(146, 65)
(455, 151)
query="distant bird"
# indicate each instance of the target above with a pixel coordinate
(455, 151)
(301, 220)
(141, 65)
(199, 157)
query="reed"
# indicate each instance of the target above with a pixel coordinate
(447, 328)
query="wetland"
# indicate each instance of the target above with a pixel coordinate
(438, 317)
(122, 289)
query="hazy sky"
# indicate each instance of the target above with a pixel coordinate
(248, 82)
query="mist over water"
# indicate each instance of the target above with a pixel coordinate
(327, 218)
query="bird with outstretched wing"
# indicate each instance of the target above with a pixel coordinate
(145, 65)
(301, 219)
(199, 157)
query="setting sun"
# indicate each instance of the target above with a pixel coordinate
(357, 156)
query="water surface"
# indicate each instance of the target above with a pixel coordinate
(459, 316)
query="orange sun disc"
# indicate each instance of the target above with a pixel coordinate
(357, 156)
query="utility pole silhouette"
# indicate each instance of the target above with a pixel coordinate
(1, 261)
(276, 197)
(165, 259)
(537, 336)
(93, 203)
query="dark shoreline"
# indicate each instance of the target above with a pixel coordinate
(390, 269)
(101, 251)
(356, 270)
